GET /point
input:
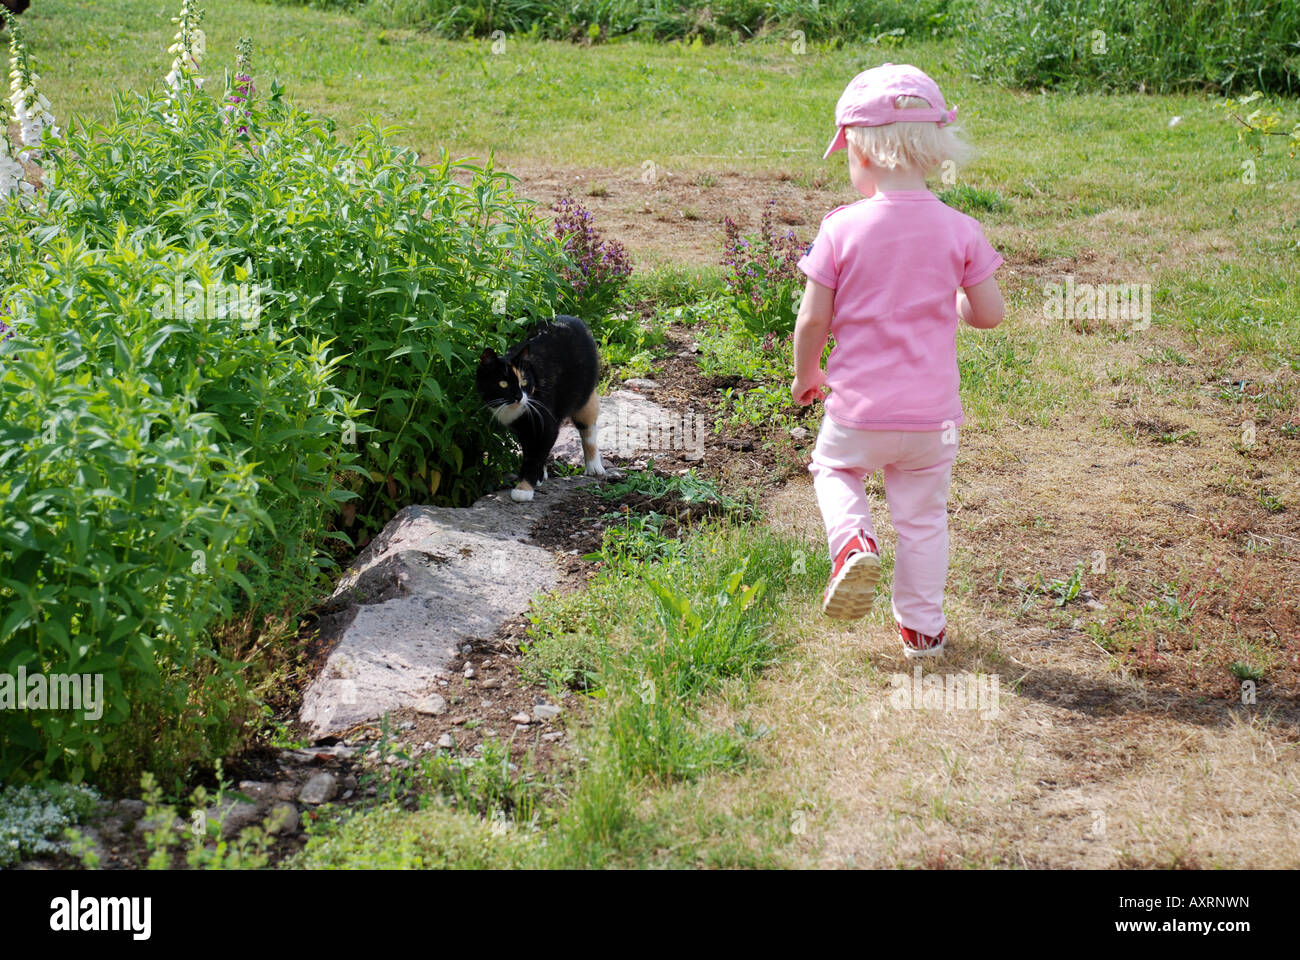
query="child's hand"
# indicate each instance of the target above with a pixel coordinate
(806, 391)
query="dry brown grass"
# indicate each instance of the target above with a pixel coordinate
(1084, 764)
(1121, 739)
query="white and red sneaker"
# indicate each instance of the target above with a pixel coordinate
(916, 644)
(854, 576)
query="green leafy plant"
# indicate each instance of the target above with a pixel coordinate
(1068, 589)
(596, 20)
(688, 488)
(230, 337)
(627, 345)
(1257, 118)
(1246, 671)
(634, 538)
(763, 281)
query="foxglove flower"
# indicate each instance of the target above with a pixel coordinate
(189, 47)
(31, 111)
(12, 174)
(242, 91)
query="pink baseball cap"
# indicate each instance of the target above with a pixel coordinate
(868, 101)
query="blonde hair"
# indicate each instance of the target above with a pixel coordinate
(908, 144)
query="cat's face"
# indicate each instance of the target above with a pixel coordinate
(503, 387)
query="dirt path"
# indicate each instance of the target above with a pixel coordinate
(672, 217)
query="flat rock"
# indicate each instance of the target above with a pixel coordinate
(321, 788)
(631, 424)
(545, 711)
(437, 579)
(434, 578)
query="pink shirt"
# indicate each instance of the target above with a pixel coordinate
(895, 261)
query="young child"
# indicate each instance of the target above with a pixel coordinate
(890, 276)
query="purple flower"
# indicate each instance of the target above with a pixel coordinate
(598, 261)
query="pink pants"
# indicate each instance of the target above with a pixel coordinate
(917, 466)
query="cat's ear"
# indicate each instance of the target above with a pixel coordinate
(522, 354)
(487, 355)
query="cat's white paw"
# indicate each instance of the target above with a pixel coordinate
(520, 495)
(595, 468)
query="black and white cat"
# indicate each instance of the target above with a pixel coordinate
(538, 384)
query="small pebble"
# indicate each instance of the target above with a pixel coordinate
(433, 705)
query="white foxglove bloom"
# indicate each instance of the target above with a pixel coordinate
(12, 176)
(31, 111)
(189, 47)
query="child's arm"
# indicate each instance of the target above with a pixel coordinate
(810, 333)
(981, 306)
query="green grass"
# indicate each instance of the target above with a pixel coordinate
(653, 644)
(1047, 164)
(688, 488)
